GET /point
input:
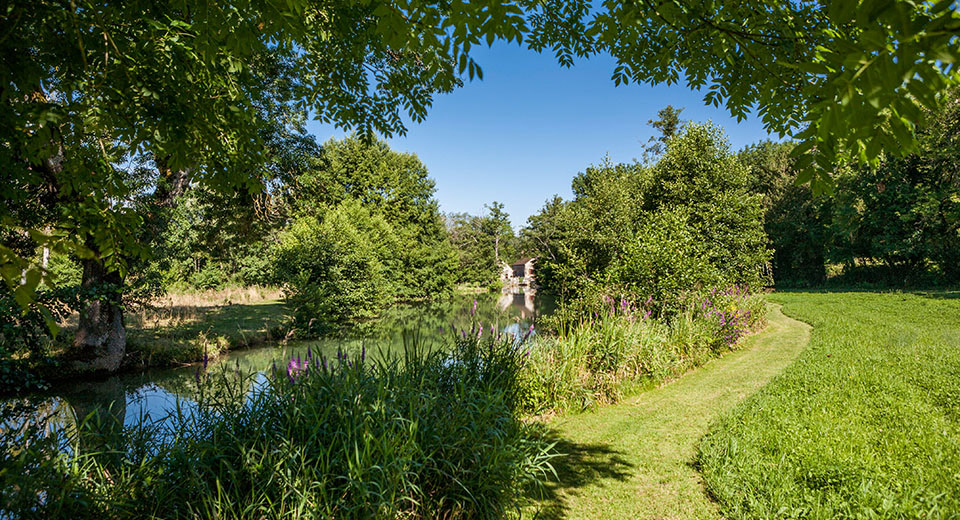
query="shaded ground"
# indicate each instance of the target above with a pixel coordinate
(635, 459)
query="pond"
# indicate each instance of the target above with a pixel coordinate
(152, 394)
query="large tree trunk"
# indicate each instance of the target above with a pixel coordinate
(101, 340)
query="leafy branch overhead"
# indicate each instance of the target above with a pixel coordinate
(847, 79)
(104, 106)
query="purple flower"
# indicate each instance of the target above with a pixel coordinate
(309, 353)
(206, 359)
(474, 309)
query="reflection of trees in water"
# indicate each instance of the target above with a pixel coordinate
(122, 400)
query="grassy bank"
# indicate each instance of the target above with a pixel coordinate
(865, 424)
(179, 328)
(634, 459)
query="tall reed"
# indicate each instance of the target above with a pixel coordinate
(432, 435)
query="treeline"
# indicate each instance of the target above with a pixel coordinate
(694, 214)
(347, 228)
(897, 224)
(682, 220)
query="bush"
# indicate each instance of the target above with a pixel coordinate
(434, 435)
(334, 266)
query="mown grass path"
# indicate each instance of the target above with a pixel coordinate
(634, 460)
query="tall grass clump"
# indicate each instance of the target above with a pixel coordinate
(614, 345)
(433, 435)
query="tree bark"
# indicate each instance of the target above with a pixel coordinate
(101, 339)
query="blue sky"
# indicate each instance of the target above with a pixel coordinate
(522, 133)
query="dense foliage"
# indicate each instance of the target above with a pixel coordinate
(863, 425)
(365, 230)
(685, 222)
(484, 243)
(896, 224)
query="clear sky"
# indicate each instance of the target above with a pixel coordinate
(520, 135)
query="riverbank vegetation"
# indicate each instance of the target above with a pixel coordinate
(435, 434)
(621, 347)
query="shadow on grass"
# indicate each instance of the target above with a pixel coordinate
(577, 465)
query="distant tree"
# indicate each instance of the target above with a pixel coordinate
(390, 184)
(686, 221)
(667, 123)
(483, 243)
(797, 223)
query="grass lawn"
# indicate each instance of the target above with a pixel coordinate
(635, 459)
(181, 326)
(865, 424)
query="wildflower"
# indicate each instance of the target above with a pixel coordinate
(206, 359)
(474, 309)
(309, 353)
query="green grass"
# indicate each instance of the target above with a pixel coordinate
(865, 424)
(634, 459)
(216, 328)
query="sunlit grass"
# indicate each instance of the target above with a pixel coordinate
(866, 423)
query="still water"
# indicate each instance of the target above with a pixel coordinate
(153, 394)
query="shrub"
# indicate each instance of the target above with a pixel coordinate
(334, 266)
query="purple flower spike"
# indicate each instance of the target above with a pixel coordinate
(309, 353)
(363, 353)
(463, 333)
(474, 309)
(206, 359)
(491, 329)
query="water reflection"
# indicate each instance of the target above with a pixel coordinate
(152, 395)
